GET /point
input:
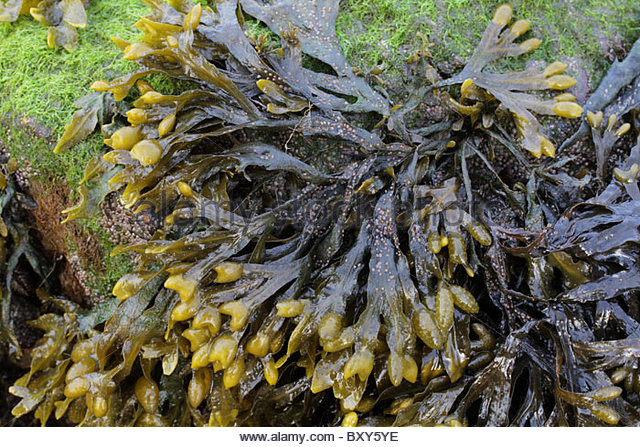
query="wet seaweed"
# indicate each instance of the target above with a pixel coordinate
(62, 17)
(382, 282)
(618, 92)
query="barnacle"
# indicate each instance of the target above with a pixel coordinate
(378, 283)
(61, 16)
